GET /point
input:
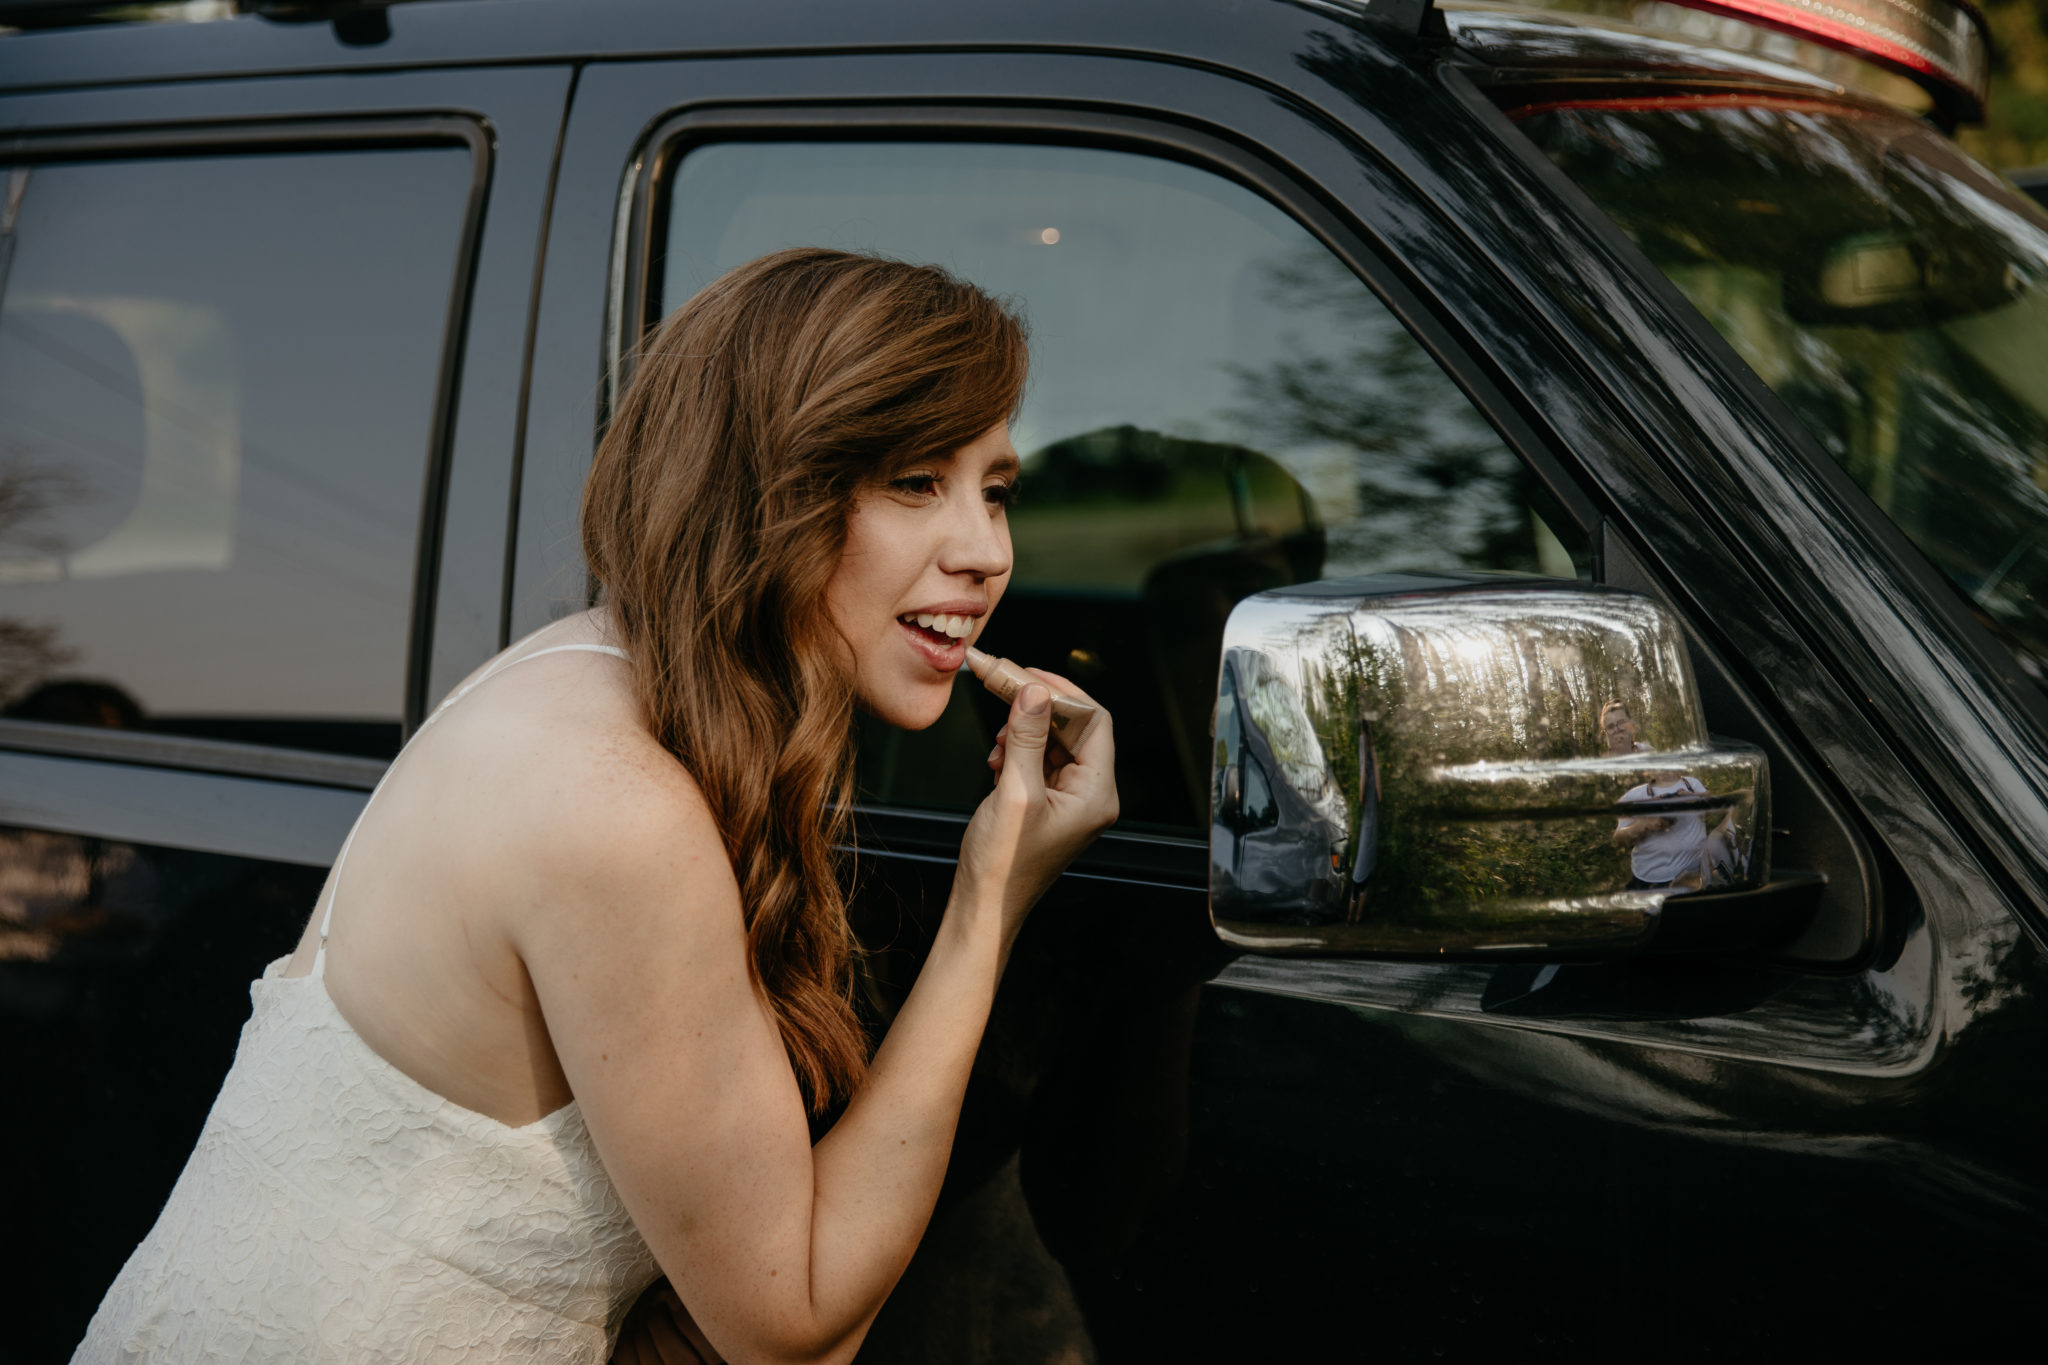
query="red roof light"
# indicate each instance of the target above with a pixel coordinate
(1942, 44)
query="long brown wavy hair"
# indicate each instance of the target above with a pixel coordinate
(715, 514)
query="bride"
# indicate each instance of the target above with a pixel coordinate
(580, 979)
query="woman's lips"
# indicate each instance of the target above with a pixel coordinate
(942, 652)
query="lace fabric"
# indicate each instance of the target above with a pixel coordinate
(335, 1209)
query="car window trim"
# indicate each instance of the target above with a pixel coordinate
(238, 814)
(324, 133)
(152, 750)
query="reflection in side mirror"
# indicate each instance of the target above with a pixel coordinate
(1467, 764)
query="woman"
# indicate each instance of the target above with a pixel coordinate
(580, 978)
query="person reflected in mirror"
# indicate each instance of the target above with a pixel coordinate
(1666, 852)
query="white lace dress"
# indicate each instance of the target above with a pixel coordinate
(335, 1209)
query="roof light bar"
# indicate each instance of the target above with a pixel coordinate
(1942, 44)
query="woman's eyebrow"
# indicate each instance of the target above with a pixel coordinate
(1005, 464)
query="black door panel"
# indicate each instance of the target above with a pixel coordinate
(148, 874)
(124, 983)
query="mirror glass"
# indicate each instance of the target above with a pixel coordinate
(1467, 763)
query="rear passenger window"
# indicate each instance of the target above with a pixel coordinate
(1217, 406)
(218, 378)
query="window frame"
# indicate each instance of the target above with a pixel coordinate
(632, 308)
(283, 136)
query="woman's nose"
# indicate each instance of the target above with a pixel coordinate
(976, 542)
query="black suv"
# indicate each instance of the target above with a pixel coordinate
(309, 319)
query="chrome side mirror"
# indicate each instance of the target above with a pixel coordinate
(1467, 765)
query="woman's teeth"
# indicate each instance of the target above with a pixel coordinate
(957, 627)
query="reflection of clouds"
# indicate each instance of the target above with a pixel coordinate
(262, 517)
(184, 514)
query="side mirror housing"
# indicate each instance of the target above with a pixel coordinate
(1470, 765)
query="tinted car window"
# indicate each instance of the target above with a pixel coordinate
(1216, 406)
(1892, 292)
(217, 383)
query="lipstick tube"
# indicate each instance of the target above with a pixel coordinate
(1070, 719)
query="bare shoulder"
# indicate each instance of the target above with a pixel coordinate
(623, 889)
(588, 799)
(621, 807)
(610, 804)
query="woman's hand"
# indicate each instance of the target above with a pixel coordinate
(1047, 805)
(659, 1331)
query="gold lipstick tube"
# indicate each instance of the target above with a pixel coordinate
(1070, 719)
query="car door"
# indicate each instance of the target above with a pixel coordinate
(260, 349)
(1280, 337)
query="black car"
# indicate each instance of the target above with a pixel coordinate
(309, 318)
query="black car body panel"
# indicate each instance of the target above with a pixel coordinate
(1168, 1149)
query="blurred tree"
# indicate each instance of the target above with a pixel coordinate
(28, 494)
(2015, 129)
(1434, 485)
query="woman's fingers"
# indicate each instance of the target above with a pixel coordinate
(1098, 740)
(1056, 755)
(1024, 742)
(1056, 761)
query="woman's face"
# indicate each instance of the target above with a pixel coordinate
(927, 557)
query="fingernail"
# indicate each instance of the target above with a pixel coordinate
(1035, 700)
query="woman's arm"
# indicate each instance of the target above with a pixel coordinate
(634, 941)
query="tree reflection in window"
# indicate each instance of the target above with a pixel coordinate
(1430, 483)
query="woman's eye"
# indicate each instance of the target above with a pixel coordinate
(1000, 494)
(917, 485)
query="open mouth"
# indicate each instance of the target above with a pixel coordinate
(940, 630)
(941, 637)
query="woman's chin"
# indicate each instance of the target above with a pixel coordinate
(916, 707)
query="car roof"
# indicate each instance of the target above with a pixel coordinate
(439, 33)
(430, 33)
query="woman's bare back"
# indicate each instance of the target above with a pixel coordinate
(420, 957)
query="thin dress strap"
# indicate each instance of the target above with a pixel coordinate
(334, 891)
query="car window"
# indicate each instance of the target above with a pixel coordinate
(1891, 291)
(217, 388)
(1216, 406)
